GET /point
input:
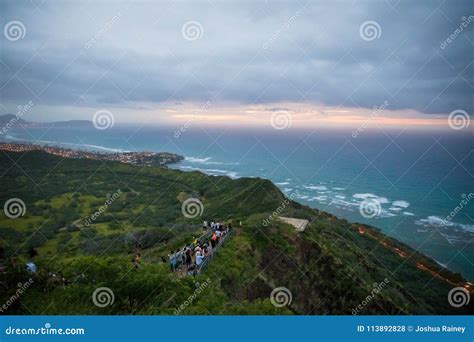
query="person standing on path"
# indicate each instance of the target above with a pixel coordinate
(172, 257)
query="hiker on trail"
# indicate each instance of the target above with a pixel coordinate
(183, 255)
(198, 258)
(218, 234)
(137, 260)
(32, 253)
(198, 249)
(30, 265)
(172, 257)
(189, 258)
(178, 258)
(63, 279)
(213, 239)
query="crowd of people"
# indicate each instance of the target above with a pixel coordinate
(193, 255)
(189, 258)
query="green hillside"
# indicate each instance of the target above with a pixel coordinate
(330, 268)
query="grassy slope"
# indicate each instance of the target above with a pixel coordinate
(329, 268)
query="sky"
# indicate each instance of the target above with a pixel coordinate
(402, 63)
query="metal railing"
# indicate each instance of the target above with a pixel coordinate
(209, 258)
(179, 255)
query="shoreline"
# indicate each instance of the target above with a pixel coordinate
(422, 261)
(133, 158)
(233, 175)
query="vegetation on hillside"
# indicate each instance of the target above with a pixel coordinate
(330, 268)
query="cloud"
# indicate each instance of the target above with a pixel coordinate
(127, 54)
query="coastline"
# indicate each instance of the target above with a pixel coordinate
(405, 253)
(133, 158)
(216, 171)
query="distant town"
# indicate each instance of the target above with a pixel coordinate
(135, 158)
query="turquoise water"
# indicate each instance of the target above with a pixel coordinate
(417, 178)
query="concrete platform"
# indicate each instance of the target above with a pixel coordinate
(299, 224)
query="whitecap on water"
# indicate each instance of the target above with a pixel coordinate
(320, 198)
(207, 161)
(197, 160)
(437, 222)
(315, 187)
(401, 204)
(369, 196)
(212, 172)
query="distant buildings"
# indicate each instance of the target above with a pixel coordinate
(135, 158)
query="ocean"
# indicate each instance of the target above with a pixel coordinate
(421, 182)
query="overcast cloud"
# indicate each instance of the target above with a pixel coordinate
(104, 53)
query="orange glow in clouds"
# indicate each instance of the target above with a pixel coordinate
(303, 115)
